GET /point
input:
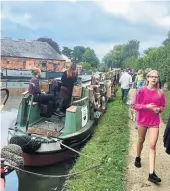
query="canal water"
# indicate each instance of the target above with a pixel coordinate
(24, 181)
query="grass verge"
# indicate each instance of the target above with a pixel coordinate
(110, 140)
(166, 112)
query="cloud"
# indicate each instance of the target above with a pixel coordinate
(139, 11)
(97, 24)
(22, 19)
(21, 13)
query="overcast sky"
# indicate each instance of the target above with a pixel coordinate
(96, 24)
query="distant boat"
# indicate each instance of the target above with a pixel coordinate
(26, 74)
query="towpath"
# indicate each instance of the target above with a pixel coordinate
(136, 179)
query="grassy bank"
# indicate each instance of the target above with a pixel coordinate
(166, 112)
(110, 139)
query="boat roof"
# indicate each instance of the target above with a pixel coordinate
(83, 77)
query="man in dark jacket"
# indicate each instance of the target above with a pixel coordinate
(160, 84)
(167, 137)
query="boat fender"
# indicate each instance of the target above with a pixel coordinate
(26, 143)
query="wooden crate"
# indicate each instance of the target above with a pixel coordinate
(77, 91)
(44, 86)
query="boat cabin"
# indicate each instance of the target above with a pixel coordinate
(31, 115)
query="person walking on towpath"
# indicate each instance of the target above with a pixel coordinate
(140, 82)
(149, 102)
(139, 79)
(125, 81)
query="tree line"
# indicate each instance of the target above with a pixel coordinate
(127, 56)
(79, 54)
(121, 56)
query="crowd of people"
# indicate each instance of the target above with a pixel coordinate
(149, 101)
(131, 79)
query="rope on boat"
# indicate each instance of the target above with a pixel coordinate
(79, 152)
(100, 161)
(56, 176)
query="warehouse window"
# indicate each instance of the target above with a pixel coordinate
(44, 64)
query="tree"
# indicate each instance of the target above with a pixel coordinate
(90, 57)
(165, 42)
(77, 53)
(133, 48)
(131, 62)
(109, 60)
(51, 42)
(159, 59)
(86, 66)
(102, 68)
(67, 52)
(149, 50)
(116, 58)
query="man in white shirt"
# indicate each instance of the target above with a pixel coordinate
(125, 81)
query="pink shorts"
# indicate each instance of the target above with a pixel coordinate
(144, 126)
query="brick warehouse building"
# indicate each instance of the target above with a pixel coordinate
(23, 55)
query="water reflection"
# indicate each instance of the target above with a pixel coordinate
(41, 183)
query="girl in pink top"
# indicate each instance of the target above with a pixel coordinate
(149, 102)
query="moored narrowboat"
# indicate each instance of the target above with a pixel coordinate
(44, 137)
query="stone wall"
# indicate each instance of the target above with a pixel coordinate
(27, 64)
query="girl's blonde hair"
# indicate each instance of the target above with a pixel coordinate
(157, 85)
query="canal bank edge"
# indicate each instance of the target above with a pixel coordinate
(110, 141)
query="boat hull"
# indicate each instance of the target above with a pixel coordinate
(44, 159)
(56, 156)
